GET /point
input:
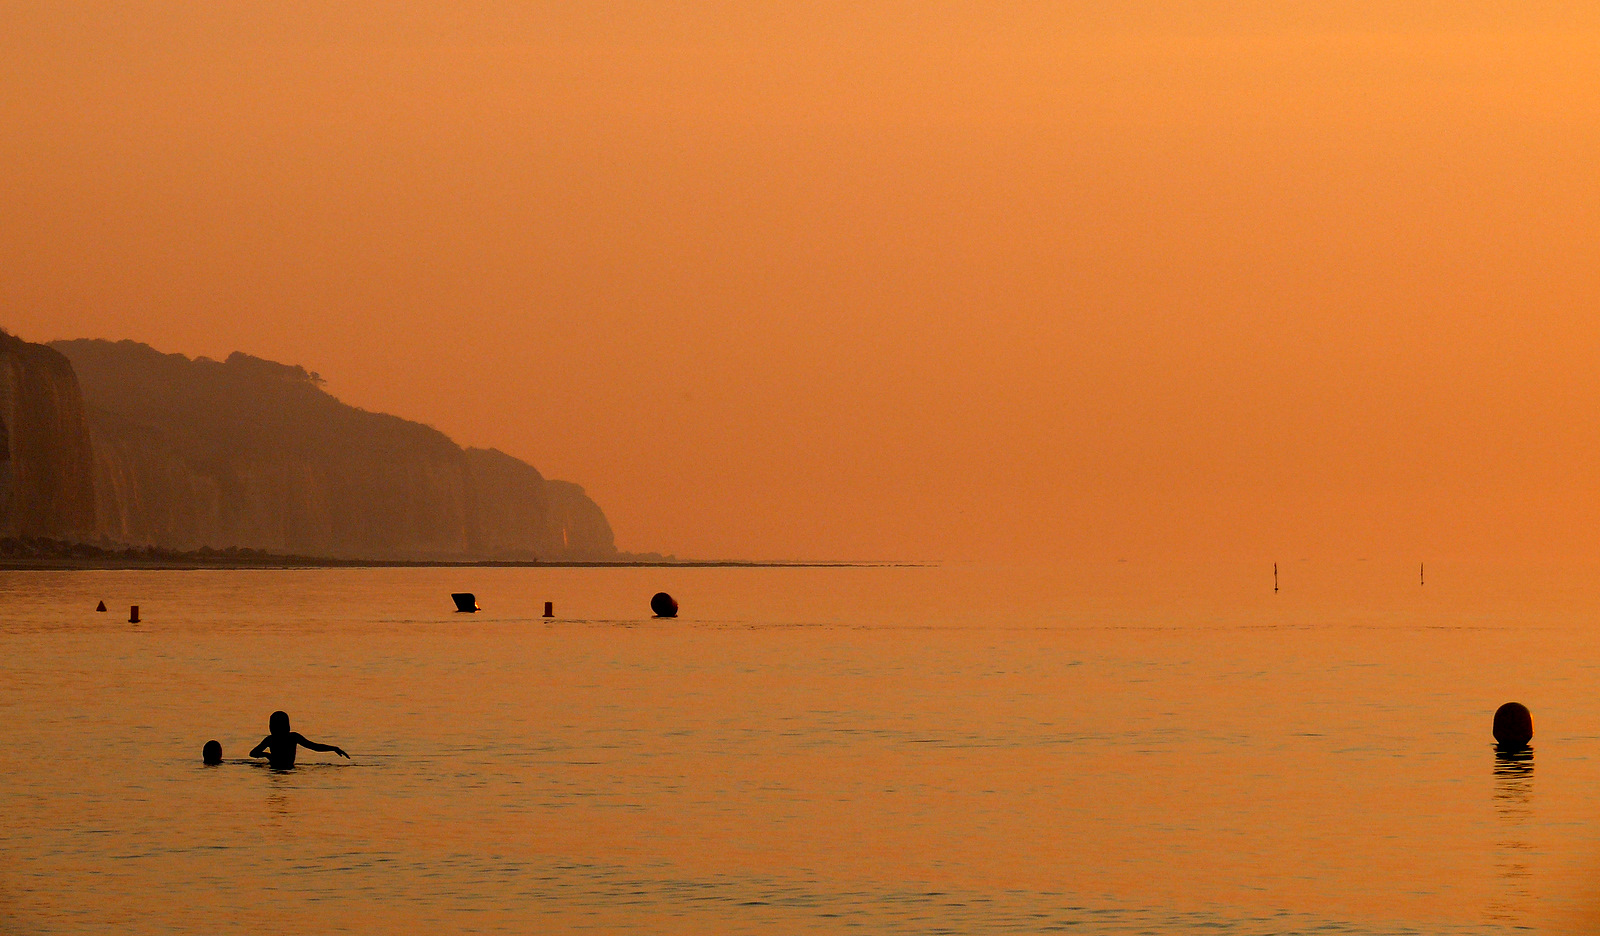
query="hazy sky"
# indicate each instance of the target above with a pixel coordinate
(915, 280)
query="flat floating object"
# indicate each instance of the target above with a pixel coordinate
(100, 607)
(664, 605)
(466, 602)
(1513, 725)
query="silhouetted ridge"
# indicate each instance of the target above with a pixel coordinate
(46, 486)
(252, 453)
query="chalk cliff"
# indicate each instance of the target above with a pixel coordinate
(46, 486)
(520, 513)
(252, 453)
(575, 520)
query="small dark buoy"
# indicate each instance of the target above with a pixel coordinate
(133, 614)
(466, 602)
(549, 609)
(664, 605)
(100, 607)
(212, 752)
(1513, 726)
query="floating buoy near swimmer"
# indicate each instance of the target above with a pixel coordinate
(549, 609)
(100, 607)
(664, 605)
(133, 614)
(1513, 725)
(212, 752)
(466, 602)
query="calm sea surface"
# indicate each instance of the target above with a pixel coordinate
(962, 749)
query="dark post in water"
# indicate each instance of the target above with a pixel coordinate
(133, 614)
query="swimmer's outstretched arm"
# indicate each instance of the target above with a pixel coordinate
(305, 742)
(261, 749)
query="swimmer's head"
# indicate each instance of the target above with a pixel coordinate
(279, 722)
(212, 752)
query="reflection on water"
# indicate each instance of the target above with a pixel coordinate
(1513, 856)
(278, 810)
(1513, 784)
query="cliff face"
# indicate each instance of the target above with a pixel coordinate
(513, 506)
(521, 514)
(46, 486)
(576, 522)
(251, 453)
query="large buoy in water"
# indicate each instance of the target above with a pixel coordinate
(466, 602)
(664, 605)
(212, 752)
(1513, 726)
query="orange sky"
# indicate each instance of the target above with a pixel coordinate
(924, 282)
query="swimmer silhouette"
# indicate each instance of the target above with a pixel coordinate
(279, 746)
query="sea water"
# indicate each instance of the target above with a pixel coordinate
(1099, 748)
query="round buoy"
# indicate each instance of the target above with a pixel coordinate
(1513, 725)
(664, 605)
(212, 752)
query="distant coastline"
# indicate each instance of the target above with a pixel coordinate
(31, 554)
(114, 443)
